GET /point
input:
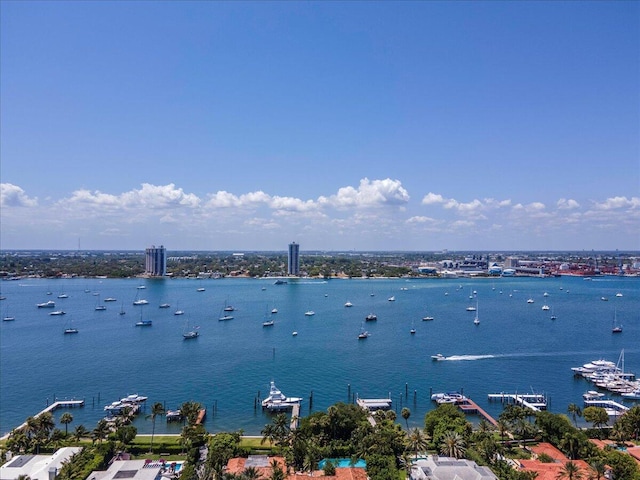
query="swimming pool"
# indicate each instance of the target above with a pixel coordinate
(343, 463)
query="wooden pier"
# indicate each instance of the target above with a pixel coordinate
(469, 406)
(50, 408)
(295, 417)
(533, 401)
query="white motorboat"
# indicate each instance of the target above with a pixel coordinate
(372, 317)
(134, 398)
(268, 323)
(141, 301)
(427, 319)
(274, 310)
(348, 304)
(545, 307)
(309, 313)
(224, 318)
(58, 312)
(530, 300)
(438, 357)
(110, 299)
(277, 401)
(392, 298)
(632, 395)
(164, 305)
(49, 304)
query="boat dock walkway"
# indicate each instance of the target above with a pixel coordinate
(295, 417)
(533, 401)
(469, 406)
(51, 408)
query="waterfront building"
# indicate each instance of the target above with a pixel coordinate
(155, 264)
(293, 264)
(37, 467)
(435, 467)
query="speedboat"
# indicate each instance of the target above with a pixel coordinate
(142, 301)
(309, 313)
(164, 305)
(134, 398)
(109, 299)
(545, 307)
(8, 318)
(268, 323)
(471, 308)
(63, 295)
(58, 312)
(371, 317)
(201, 289)
(392, 299)
(348, 304)
(427, 319)
(618, 294)
(530, 300)
(362, 335)
(70, 330)
(49, 304)
(438, 357)
(277, 401)
(274, 310)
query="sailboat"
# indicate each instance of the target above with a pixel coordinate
(7, 317)
(476, 321)
(190, 333)
(363, 333)
(227, 307)
(267, 322)
(225, 314)
(122, 312)
(70, 328)
(100, 307)
(178, 311)
(413, 329)
(553, 315)
(138, 300)
(616, 328)
(143, 323)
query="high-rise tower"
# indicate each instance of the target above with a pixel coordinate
(293, 265)
(155, 261)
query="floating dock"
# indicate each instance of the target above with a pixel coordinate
(613, 408)
(533, 401)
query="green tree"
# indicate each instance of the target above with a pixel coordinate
(406, 413)
(570, 471)
(599, 469)
(575, 411)
(416, 441)
(190, 411)
(65, 419)
(453, 445)
(156, 410)
(79, 432)
(277, 431)
(250, 473)
(596, 415)
(100, 431)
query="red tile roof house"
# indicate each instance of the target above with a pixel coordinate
(549, 471)
(262, 464)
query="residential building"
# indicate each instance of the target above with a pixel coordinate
(435, 467)
(37, 467)
(293, 264)
(155, 264)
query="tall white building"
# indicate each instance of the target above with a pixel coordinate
(293, 264)
(155, 261)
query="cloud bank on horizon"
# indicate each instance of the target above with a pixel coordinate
(373, 215)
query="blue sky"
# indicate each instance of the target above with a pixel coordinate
(339, 125)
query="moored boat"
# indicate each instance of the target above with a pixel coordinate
(277, 401)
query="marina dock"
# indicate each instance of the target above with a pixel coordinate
(533, 401)
(54, 406)
(469, 406)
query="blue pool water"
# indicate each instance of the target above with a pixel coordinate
(343, 463)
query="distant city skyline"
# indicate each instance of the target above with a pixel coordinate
(367, 126)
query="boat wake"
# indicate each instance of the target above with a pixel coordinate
(455, 358)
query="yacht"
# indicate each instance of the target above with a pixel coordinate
(134, 398)
(618, 294)
(144, 323)
(164, 305)
(58, 312)
(274, 310)
(392, 298)
(201, 289)
(8, 318)
(371, 317)
(530, 300)
(63, 295)
(224, 318)
(363, 334)
(348, 304)
(632, 395)
(268, 323)
(49, 304)
(110, 299)
(141, 301)
(545, 307)
(190, 334)
(277, 401)
(100, 307)
(309, 313)
(427, 319)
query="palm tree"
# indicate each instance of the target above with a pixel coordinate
(503, 428)
(406, 413)
(65, 419)
(599, 470)
(416, 441)
(101, 431)
(570, 471)
(156, 409)
(276, 471)
(574, 410)
(452, 445)
(250, 473)
(79, 432)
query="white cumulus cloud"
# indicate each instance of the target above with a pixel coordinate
(14, 196)
(615, 203)
(567, 204)
(370, 193)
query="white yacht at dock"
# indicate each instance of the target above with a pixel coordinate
(277, 401)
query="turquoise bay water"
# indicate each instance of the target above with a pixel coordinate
(516, 347)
